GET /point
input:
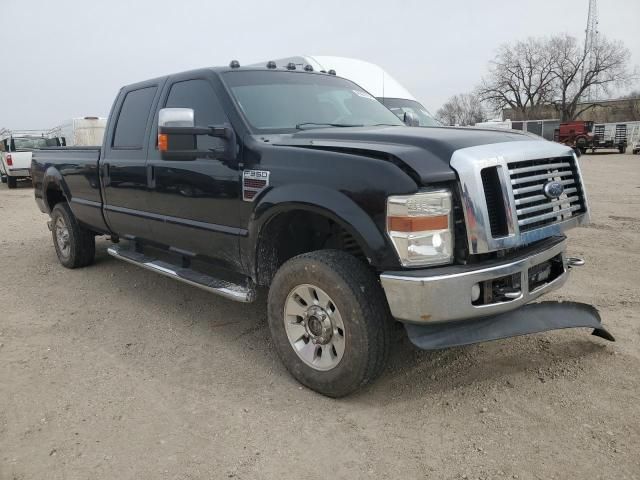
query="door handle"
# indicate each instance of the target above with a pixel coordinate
(106, 174)
(151, 177)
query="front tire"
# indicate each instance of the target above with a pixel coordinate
(74, 244)
(329, 321)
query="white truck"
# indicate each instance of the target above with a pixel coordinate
(79, 132)
(372, 78)
(15, 154)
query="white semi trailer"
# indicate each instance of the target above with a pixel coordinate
(372, 78)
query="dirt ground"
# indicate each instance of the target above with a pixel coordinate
(113, 372)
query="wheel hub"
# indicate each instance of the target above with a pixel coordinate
(62, 237)
(314, 327)
(318, 325)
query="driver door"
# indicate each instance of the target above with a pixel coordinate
(197, 199)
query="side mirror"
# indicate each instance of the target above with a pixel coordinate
(410, 119)
(177, 136)
(176, 117)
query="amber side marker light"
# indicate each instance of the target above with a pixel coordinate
(418, 224)
(163, 142)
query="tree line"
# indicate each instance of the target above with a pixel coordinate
(531, 75)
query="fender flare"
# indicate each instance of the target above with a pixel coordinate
(53, 177)
(324, 201)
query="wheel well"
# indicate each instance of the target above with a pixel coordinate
(296, 232)
(54, 196)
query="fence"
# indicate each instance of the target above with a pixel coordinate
(546, 128)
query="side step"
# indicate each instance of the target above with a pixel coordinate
(186, 275)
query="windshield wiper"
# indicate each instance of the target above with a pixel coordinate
(300, 126)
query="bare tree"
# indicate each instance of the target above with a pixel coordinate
(520, 77)
(576, 71)
(463, 109)
(531, 75)
(634, 104)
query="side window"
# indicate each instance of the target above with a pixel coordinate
(132, 121)
(199, 95)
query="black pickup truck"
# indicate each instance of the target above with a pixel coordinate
(232, 179)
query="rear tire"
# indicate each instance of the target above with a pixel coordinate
(12, 182)
(74, 244)
(3, 178)
(345, 313)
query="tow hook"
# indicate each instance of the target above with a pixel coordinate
(508, 293)
(574, 262)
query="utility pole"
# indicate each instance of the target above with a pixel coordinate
(590, 43)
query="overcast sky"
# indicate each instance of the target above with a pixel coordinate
(68, 58)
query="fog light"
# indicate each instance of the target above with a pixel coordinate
(475, 292)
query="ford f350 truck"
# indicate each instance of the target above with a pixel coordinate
(232, 179)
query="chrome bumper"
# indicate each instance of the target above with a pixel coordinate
(441, 294)
(18, 172)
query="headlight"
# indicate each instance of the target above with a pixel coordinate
(420, 227)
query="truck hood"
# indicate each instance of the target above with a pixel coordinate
(426, 151)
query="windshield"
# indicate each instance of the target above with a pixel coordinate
(401, 105)
(279, 102)
(29, 143)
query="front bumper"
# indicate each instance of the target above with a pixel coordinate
(535, 318)
(441, 294)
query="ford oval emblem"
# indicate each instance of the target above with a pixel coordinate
(553, 189)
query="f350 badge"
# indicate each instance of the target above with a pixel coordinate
(254, 182)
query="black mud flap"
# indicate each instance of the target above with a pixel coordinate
(532, 318)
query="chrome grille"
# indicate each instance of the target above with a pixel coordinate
(502, 193)
(533, 208)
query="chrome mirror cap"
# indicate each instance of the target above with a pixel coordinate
(176, 117)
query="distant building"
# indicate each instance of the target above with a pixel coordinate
(604, 111)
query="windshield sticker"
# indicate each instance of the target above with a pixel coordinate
(363, 94)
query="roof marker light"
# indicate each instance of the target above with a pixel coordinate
(332, 72)
(234, 64)
(291, 66)
(308, 68)
(271, 64)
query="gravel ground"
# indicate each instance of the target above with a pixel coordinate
(115, 372)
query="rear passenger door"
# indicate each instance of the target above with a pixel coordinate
(123, 162)
(197, 198)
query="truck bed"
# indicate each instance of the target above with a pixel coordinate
(79, 168)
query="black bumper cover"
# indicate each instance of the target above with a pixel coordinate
(532, 318)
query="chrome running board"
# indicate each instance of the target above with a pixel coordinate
(220, 287)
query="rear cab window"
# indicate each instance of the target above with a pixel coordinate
(27, 144)
(132, 120)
